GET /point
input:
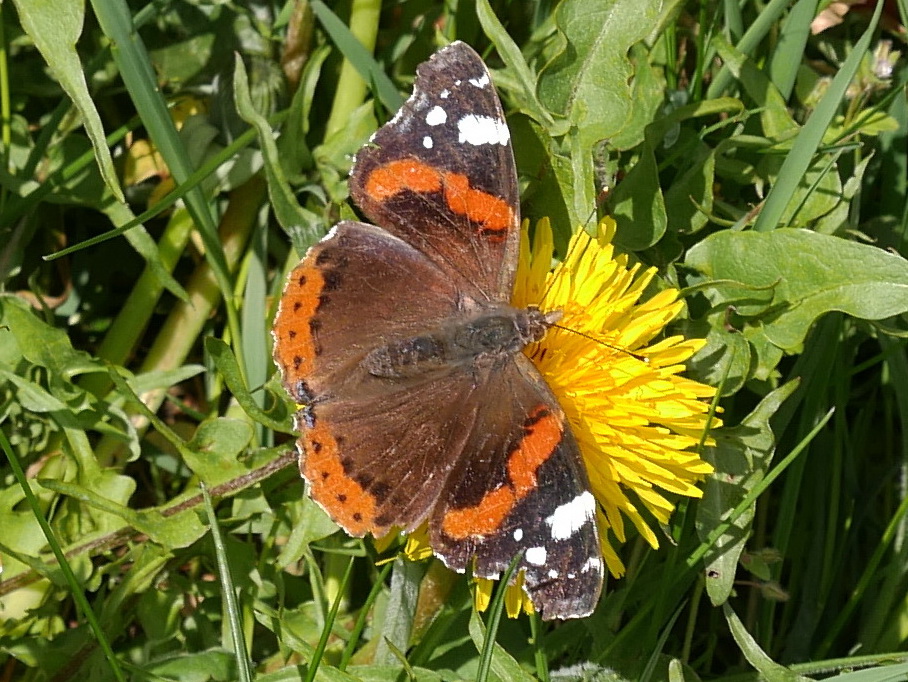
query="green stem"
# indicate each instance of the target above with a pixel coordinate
(351, 88)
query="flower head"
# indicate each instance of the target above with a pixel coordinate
(635, 418)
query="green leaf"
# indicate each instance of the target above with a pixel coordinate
(39, 343)
(786, 58)
(648, 91)
(387, 673)
(637, 203)
(178, 530)
(504, 666)
(163, 378)
(194, 667)
(398, 615)
(689, 200)
(774, 115)
(227, 365)
(310, 524)
(725, 359)
(358, 56)
(287, 209)
(55, 26)
(881, 673)
(550, 177)
(817, 193)
(741, 457)
(588, 82)
(769, 670)
(523, 80)
(805, 274)
(213, 451)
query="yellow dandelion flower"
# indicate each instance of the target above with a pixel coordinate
(635, 419)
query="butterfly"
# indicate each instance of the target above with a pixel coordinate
(398, 341)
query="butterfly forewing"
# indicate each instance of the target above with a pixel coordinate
(451, 188)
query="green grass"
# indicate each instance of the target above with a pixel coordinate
(760, 167)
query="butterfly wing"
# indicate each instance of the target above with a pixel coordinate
(523, 489)
(441, 175)
(374, 450)
(351, 293)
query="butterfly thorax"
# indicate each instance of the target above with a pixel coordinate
(494, 333)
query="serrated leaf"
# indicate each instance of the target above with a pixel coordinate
(808, 274)
(589, 81)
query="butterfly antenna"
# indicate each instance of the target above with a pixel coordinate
(619, 349)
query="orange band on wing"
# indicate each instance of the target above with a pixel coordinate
(396, 176)
(346, 501)
(543, 434)
(480, 207)
(295, 347)
(493, 213)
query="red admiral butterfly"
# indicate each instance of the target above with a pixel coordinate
(399, 342)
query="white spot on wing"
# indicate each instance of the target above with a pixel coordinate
(477, 130)
(536, 555)
(553, 573)
(480, 82)
(571, 516)
(427, 142)
(592, 564)
(518, 534)
(436, 116)
(444, 94)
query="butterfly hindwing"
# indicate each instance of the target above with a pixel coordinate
(523, 489)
